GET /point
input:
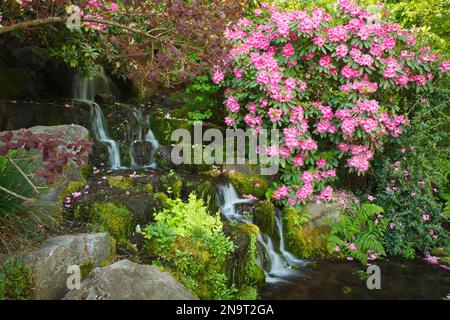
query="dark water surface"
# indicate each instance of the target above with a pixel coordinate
(400, 279)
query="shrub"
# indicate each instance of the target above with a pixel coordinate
(15, 280)
(191, 242)
(332, 83)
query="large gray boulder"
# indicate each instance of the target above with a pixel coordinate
(49, 262)
(126, 280)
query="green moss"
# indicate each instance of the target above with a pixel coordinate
(162, 198)
(86, 268)
(173, 184)
(149, 188)
(249, 229)
(445, 261)
(249, 184)
(15, 280)
(265, 216)
(114, 219)
(248, 293)
(163, 126)
(302, 238)
(120, 183)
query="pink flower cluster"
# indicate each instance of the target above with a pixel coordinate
(308, 74)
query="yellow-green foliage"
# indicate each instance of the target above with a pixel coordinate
(75, 186)
(191, 244)
(246, 183)
(116, 220)
(120, 183)
(173, 184)
(302, 238)
(265, 216)
(15, 280)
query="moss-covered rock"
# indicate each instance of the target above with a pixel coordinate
(149, 188)
(265, 216)
(172, 184)
(114, 219)
(303, 238)
(120, 183)
(162, 198)
(249, 183)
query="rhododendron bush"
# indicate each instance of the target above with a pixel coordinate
(329, 82)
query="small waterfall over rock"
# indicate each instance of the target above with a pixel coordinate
(100, 131)
(278, 264)
(85, 89)
(144, 143)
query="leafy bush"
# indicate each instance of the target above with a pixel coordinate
(191, 242)
(359, 235)
(15, 280)
(332, 83)
(200, 98)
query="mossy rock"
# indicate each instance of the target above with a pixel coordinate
(445, 261)
(162, 198)
(172, 184)
(303, 238)
(253, 184)
(163, 126)
(249, 229)
(149, 188)
(120, 183)
(114, 219)
(265, 217)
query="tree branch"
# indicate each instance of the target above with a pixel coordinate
(55, 20)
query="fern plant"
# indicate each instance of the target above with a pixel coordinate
(359, 235)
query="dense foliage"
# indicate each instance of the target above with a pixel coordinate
(331, 83)
(191, 242)
(359, 234)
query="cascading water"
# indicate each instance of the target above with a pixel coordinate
(85, 89)
(138, 133)
(101, 134)
(289, 257)
(278, 265)
(228, 198)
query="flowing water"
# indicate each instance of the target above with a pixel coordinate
(278, 265)
(137, 129)
(85, 89)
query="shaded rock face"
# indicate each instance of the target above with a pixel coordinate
(126, 280)
(50, 261)
(24, 114)
(30, 72)
(322, 212)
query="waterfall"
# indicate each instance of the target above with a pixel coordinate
(289, 257)
(138, 134)
(227, 200)
(85, 89)
(278, 265)
(100, 131)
